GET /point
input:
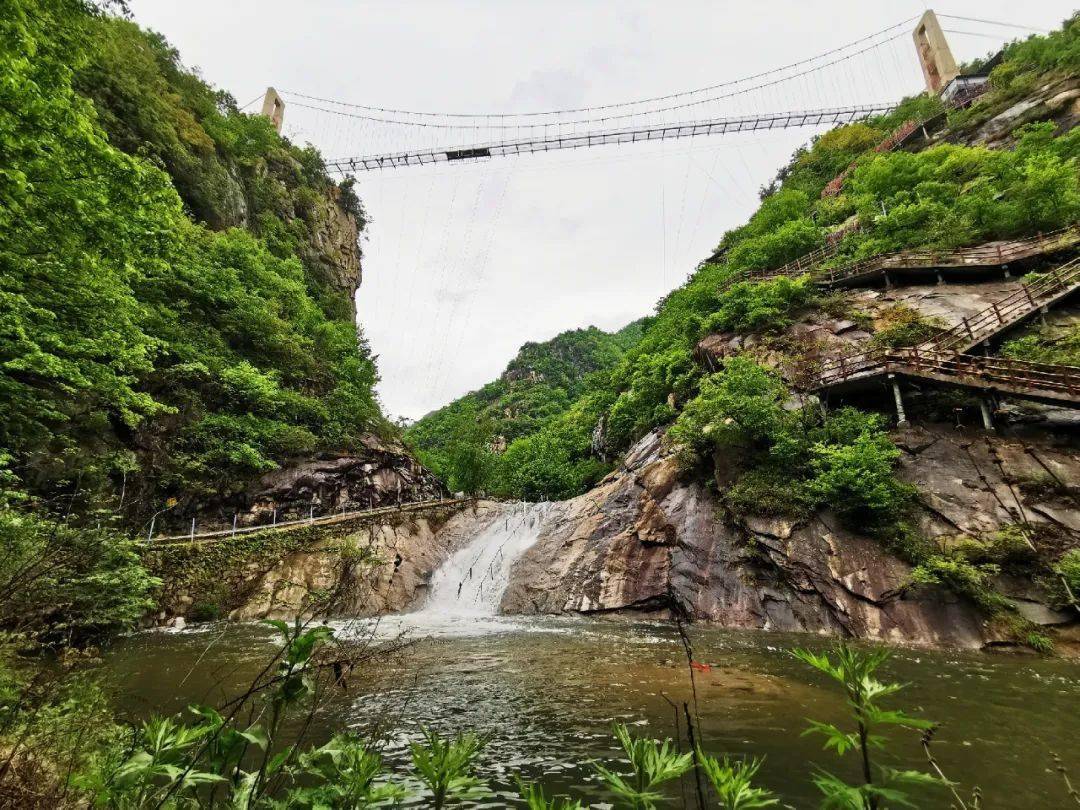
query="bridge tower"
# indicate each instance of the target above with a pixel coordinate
(935, 56)
(273, 108)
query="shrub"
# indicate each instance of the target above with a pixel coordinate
(66, 585)
(1068, 568)
(759, 307)
(974, 581)
(791, 460)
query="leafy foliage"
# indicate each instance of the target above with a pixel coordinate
(733, 782)
(1042, 346)
(1068, 567)
(652, 763)
(143, 350)
(855, 672)
(844, 460)
(532, 402)
(446, 766)
(68, 586)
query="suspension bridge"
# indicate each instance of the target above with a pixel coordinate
(424, 174)
(856, 80)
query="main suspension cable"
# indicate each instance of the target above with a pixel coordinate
(638, 102)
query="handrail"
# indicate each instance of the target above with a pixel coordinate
(1037, 377)
(797, 266)
(968, 333)
(339, 517)
(996, 253)
(990, 253)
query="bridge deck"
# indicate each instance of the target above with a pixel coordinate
(599, 137)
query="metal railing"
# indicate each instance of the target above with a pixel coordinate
(337, 517)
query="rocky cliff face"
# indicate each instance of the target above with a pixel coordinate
(647, 540)
(1056, 100)
(363, 566)
(382, 473)
(333, 247)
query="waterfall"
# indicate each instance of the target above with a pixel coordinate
(472, 581)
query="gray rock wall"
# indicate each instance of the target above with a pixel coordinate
(645, 539)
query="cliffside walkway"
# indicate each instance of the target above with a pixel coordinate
(945, 357)
(326, 520)
(915, 266)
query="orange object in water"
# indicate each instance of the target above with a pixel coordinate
(700, 667)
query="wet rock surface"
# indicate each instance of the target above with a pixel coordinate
(645, 539)
(377, 569)
(363, 566)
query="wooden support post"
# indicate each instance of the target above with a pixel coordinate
(234, 524)
(192, 537)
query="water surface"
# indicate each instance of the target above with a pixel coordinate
(547, 690)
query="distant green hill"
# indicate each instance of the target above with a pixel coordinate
(541, 383)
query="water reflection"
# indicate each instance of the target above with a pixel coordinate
(547, 690)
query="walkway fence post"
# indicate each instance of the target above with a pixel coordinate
(901, 416)
(234, 524)
(192, 529)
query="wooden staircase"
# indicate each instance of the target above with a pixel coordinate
(944, 358)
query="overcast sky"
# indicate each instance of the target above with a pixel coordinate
(464, 264)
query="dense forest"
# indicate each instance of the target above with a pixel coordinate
(171, 326)
(176, 304)
(465, 442)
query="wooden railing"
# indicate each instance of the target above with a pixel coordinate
(1017, 376)
(336, 517)
(806, 263)
(1031, 296)
(991, 254)
(895, 138)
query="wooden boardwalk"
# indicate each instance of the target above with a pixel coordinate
(945, 357)
(918, 266)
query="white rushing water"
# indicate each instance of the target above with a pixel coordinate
(474, 579)
(466, 589)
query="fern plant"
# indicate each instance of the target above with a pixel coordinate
(447, 766)
(535, 799)
(732, 780)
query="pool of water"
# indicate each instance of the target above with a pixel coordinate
(546, 692)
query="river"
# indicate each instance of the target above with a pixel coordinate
(546, 691)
